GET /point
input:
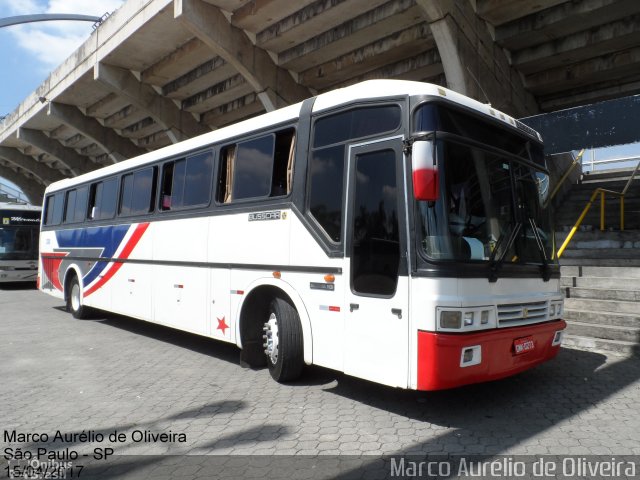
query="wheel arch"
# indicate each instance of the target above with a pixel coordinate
(71, 270)
(257, 298)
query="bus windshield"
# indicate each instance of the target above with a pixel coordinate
(493, 192)
(18, 242)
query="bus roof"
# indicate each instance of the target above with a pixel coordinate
(367, 90)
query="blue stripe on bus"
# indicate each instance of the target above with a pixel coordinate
(108, 238)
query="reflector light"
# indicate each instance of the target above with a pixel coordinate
(468, 318)
(277, 274)
(329, 278)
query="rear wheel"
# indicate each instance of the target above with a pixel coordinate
(283, 341)
(74, 299)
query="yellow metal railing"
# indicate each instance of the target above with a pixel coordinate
(565, 175)
(602, 193)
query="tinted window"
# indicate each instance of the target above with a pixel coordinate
(187, 182)
(137, 192)
(253, 168)
(325, 196)
(376, 243)
(103, 199)
(81, 204)
(431, 117)
(70, 203)
(177, 186)
(258, 168)
(54, 208)
(198, 179)
(356, 123)
(126, 194)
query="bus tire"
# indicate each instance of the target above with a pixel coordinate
(283, 341)
(74, 299)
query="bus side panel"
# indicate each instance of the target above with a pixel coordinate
(132, 287)
(325, 305)
(49, 268)
(324, 300)
(221, 326)
(243, 239)
(181, 291)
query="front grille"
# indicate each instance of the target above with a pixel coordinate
(513, 314)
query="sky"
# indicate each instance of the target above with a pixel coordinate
(29, 52)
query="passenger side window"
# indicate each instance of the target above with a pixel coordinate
(103, 199)
(54, 209)
(258, 168)
(76, 205)
(187, 182)
(137, 192)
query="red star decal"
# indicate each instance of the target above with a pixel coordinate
(222, 325)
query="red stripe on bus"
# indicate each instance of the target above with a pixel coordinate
(51, 267)
(126, 251)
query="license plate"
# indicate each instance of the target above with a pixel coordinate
(523, 345)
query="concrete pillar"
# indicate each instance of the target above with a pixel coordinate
(473, 64)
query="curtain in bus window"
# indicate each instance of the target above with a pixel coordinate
(230, 161)
(292, 152)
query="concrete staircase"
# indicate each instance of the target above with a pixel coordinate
(600, 271)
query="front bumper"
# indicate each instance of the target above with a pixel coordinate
(440, 355)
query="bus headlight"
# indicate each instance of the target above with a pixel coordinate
(450, 319)
(466, 319)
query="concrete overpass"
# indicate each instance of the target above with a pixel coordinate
(159, 71)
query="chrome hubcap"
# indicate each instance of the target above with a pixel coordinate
(271, 338)
(75, 297)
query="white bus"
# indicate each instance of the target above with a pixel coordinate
(392, 230)
(19, 230)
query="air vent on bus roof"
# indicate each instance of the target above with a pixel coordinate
(528, 130)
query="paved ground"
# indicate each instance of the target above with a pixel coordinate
(117, 374)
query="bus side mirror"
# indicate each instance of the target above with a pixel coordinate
(425, 171)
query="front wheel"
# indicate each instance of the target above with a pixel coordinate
(283, 341)
(74, 300)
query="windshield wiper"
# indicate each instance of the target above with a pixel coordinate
(546, 271)
(495, 263)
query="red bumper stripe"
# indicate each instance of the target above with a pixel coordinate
(439, 354)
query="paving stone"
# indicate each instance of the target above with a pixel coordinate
(138, 376)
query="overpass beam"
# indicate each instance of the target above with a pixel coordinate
(473, 64)
(179, 125)
(32, 189)
(69, 157)
(43, 173)
(274, 85)
(117, 147)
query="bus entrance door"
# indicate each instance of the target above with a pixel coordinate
(377, 295)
